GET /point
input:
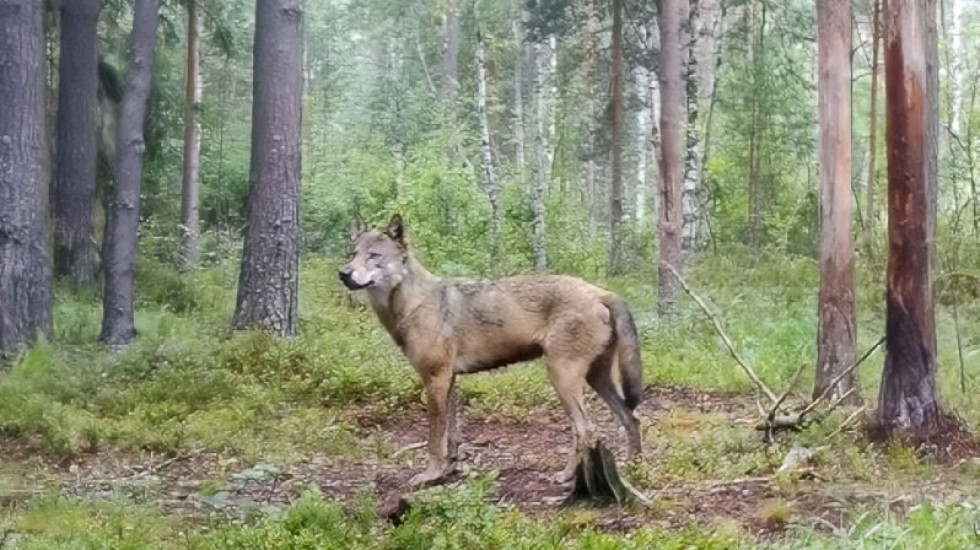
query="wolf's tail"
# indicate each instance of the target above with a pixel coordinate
(628, 363)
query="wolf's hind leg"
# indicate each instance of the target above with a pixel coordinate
(568, 378)
(438, 386)
(455, 439)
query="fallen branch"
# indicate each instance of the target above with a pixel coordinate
(772, 420)
(721, 332)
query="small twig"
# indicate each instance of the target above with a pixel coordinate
(721, 332)
(847, 421)
(408, 448)
(785, 394)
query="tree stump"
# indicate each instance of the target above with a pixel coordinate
(597, 481)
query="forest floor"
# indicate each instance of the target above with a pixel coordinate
(198, 438)
(524, 454)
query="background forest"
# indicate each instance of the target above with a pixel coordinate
(513, 136)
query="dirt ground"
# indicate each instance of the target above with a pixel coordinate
(526, 453)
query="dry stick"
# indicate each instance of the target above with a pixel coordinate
(847, 421)
(842, 375)
(785, 394)
(721, 332)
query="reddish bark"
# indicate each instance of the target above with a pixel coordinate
(908, 398)
(836, 330)
(671, 216)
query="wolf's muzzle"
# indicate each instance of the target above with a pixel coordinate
(350, 283)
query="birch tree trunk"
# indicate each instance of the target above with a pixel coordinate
(540, 182)
(492, 185)
(642, 134)
(450, 55)
(909, 396)
(692, 161)
(521, 49)
(588, 65)
(122, 225)
(25, 272)
(671, 217)
(837, 325)
(190, 189)
(869, 216)
(77, 149)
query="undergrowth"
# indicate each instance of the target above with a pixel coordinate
(189, 383)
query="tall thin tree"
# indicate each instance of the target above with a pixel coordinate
(837, 324)
(25, 272)
(869, 200)
(691, 35)
(122, 225)
(77, 146)
(671, 99)
(268, 283)
(618, 128)
(489, 171)
(193, 91)
(909, 397)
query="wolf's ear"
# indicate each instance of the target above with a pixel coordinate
(356, 228)
(396, 229)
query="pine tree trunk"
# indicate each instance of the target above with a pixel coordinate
(908, 398)
(122, 225)
(837, 325)
(616, 194)
(25, 272)
(190, 190)
(692, 161)
(869, 216)
(268, 284)
(492, 185)
(77, 148)
(541, 173)
(671, 216)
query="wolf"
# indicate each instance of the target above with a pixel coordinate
(449, 326)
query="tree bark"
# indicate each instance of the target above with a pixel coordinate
(873, 124)
(618, 128)
(642, 133)
(837, 325)
(25, 271)
(268, 283)
(519, 92)
(692, 161)
(492, 185)
(77, 146)
(588, 74)
(908, 398)
(122, 225)
(190, 190)
(542, 167)
(671, 216)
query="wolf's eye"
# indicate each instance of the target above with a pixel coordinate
(374, 256)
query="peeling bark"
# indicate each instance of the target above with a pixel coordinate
(837, 325)
(191, 185)
(671, 216)
(908, 398)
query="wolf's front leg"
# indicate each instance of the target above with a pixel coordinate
(438, 386)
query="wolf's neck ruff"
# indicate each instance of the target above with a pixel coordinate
(396, 306)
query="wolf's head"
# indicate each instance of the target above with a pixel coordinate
(377, 257)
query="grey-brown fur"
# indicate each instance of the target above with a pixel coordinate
(449, 326)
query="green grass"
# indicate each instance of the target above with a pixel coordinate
(189, 383)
